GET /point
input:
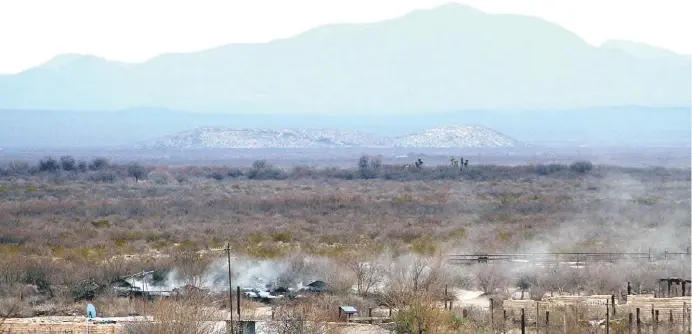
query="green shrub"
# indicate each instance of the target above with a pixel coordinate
(101, 224)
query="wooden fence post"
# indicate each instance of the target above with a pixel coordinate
(684, 308)
(630, 324)
(504, 320)
(639, 322)
(537, 316)
(523, 322)
(653, 316)
(607, 322)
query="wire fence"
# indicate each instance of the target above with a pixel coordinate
(572, 258)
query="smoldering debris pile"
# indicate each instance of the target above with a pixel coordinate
(262, 280)
(269, 292)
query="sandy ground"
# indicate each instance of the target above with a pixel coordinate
(471, 298)
(59, 323)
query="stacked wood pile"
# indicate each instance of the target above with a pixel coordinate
(646, 303)
(594, 307)
(16, 327)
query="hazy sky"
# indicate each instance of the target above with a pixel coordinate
(33, 31)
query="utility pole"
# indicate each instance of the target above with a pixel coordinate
(230, 284)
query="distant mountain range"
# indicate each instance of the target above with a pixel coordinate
(605, 127)
(446, 137)
(449, 58)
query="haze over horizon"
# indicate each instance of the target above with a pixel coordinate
(531, 78)
(210, 24)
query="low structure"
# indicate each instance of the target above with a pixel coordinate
(675, 287)
(347, 311)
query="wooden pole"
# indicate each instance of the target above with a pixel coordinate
(612, 302)
(607, 323)
(656, 322)
(504, 320)
(492, 309)
(237, 304)
(547, 321)
(639, 322)
(370, 314)
(630, 324)
(523, 322)
(230, 284)
(144, 293)
(653, 315)
(537, 316)
(684, 307)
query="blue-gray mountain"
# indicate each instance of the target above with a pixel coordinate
(449, 58)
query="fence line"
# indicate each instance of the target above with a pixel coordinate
(574, 258)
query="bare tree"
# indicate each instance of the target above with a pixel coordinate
(490, 277)
(367, 274)
(297, 318)
(187, 316)
(7, 311)
(191, 267)
(410, 275)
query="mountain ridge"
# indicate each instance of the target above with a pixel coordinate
(450, 57)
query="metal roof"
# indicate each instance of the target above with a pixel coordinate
(348, 309)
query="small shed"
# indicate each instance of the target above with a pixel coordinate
(672, 284)
(348, 311)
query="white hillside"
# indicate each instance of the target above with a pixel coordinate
(456, 136)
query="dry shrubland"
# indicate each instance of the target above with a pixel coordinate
(380, 229)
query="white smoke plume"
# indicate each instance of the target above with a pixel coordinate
(245, 272)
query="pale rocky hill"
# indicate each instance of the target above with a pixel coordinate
(453, 136)
(456, 136)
